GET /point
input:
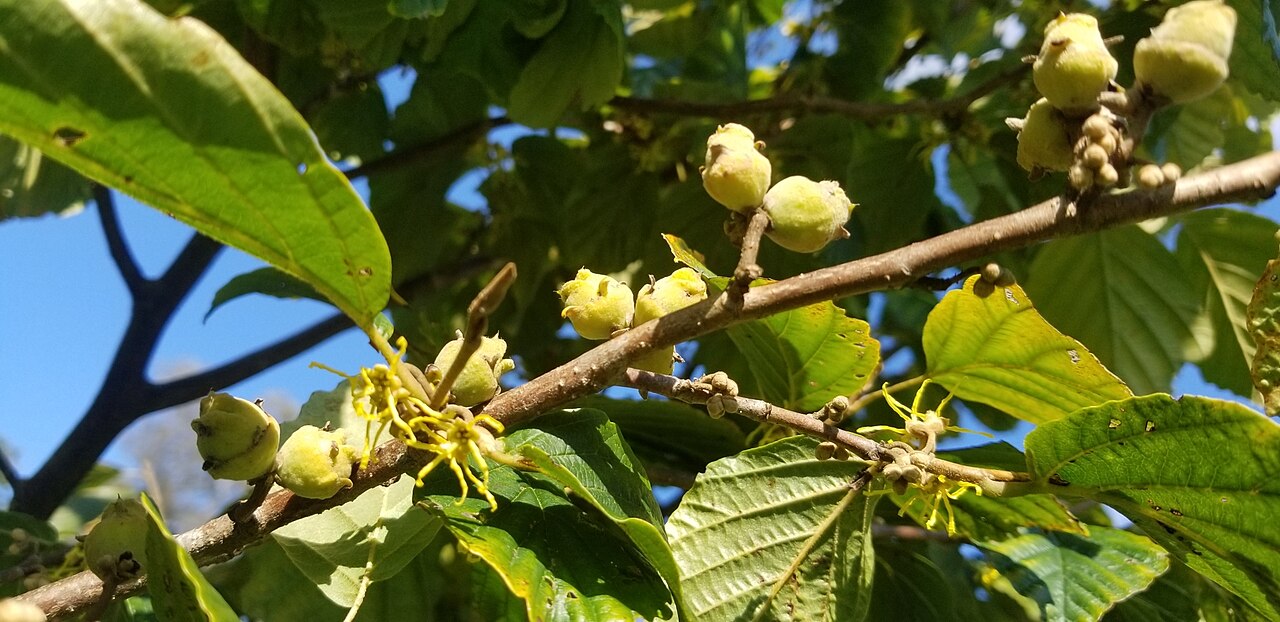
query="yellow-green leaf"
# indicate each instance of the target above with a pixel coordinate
(989, 344)
(179, 592)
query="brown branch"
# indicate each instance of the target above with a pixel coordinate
(220, 539)
(1249, 180)
(748, 270)
(793, 104)
(993, 481)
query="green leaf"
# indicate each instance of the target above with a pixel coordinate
(33, 185)
(931, 577)
(1076, 577)
(536, 522)
(804, 357)
(334, 409)
(1263, 314)
(579, 63)
(166, 111)
(774, 533)
(1198, 475)
(178, 591)
(989, 344)
(670, 432)
(1126, 297)
(1189, 133)
(1224, 252)
(381, 527)
(39, 536)
(648, 537)
(417, 9)
(269, 281)
(1255, 57)
(132, 609)
(685, 254)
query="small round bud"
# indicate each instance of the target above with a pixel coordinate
(1096, 126)
(1107, 176)
(806, 215)
(826, 450)
(735, 174)
(669, 294)
(1094, 156)
(237, 440)
(1150, 177)
(1108, 144)
(1172, 172)
(1185, 58)
(596, 305)
(315, 463)
(1043, 143)
(841, 453)
(116, 547)
(1074, 65)
(1081, 178)
(478, 381)
(13, 610)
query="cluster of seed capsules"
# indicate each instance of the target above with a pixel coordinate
(1076, 129)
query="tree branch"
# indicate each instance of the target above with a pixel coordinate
(1249, 180)
(793, 104)
(220, 539)
(116, 245)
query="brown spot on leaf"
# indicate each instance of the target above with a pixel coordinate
(68, 136)
(1151, 425)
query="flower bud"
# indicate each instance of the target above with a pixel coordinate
(315, 463)
(1074, 65)
(237, 440)
(806, 215)
(1043, 144)
(116, 547)
(14, 610)
(596, 305)
(478, 381)
(669, 294)
(735, 174)
(1185, 58)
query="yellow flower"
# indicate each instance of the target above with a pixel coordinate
(937, 492)
(454, 443)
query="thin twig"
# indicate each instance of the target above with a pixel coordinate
(994, 482)
(792, 104)
(748, 270)
(116, 245)
(244, 510)
(478, 312)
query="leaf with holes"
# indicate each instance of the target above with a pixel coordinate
(1123, 294)
(1200, 476)
(989, 344)
(178, 590)
(1263, 315)
(167, 111)
(804, 357)
(774, 533)
(1224, 251)
(1075, 577)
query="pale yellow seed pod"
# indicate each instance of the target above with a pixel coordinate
(596, 305)
(806, 215)
(1074, 65)
(1172, 172)
(235, 437)
(735, 173)
(1094, 156)
(478, 381)
(1185, 58)
(669, 294)
(116, 547)
(1107, 176)
(1150, 177)
(1043, 143)
(315, 463)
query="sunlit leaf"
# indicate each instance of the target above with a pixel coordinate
(1200, 476)
(168, 112)
(1263, 316)
(1075, 577)
(774, 533)
(269, 281)
(989, 344)
(179, 592)
(33, 185)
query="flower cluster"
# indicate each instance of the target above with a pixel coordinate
(454, 434)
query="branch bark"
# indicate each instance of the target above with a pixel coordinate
(1249, 180)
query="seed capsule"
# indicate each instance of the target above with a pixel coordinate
(315, 463)
(735, 174)
(1074, 65)
(1185, 58)
(596, 305)
(116, 547)
(237, 440)
(806, 215)
(478, 381)
(1043, 143)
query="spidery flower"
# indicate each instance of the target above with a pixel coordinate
(454, 442)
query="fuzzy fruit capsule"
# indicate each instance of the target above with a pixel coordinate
(116, 547)
(1185, 58)
(1043, 143)
(735, 173)
(596, 305)
(806, 215)
(478, 381)
(235, 437)
(1074, 65)
(315, 463)
(669, 294)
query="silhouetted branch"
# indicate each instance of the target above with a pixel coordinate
(116, 245)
